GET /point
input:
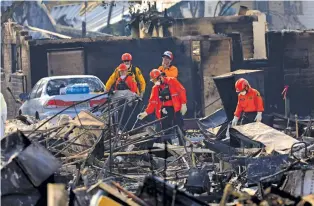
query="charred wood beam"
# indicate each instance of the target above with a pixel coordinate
(220, 19)
(292, 119)
(141, 152)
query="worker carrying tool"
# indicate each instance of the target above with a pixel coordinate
(167, 99)
(250, 103)
(133, 70)
(166, 67)
(126, 80)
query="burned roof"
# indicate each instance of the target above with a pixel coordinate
(121, 38)
(96, 19)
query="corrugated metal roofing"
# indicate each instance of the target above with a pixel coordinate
(307, 19)
(95, 19)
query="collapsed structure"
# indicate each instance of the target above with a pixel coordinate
(219, 163)
(98, 160)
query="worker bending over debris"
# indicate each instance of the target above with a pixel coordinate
(250, 103)
(126, 80)
(167, 99)
(132, 70)
(166, 67)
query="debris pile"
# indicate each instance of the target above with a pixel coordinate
(101, 156)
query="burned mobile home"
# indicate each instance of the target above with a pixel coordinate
(98, 159)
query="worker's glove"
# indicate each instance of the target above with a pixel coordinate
(142, 115)
(258, 117)
(235, 121)
(183, 109)
(164, 111)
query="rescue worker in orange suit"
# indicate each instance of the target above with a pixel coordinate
(250, 103)
(133, 70)
(126, 80)
(167, 68)
(167, 99)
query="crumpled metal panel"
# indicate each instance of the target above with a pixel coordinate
(271, 138)
(155, 187)
(38, 163)
(260, 167)
(16, 188)
(11, 146)
(300, 183)
(214, 120)
(219, 147)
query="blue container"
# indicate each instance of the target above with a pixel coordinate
(78, 89)
(69, 90)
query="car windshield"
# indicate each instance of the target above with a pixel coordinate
(53, 86)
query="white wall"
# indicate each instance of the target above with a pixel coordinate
(210, 8)
(307, 19)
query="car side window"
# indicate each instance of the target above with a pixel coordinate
(40, 89)
(35, 88)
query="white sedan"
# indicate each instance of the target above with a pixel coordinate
(47, 97)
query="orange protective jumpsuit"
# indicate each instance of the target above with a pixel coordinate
(250, 102)
(178, 97)
(127, 83)
(172, 71)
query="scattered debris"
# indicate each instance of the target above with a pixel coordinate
(93, 159)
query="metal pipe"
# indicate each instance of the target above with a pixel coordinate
(148, 138)
(110, 138)
(120, 121)
(140, 127)
(129, 117)
(137, 118)
(296, 126)
(119, 136)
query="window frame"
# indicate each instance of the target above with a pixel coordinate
(33, 93)
(41, 86)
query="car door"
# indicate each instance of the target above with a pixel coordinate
(39, 99)
(37, 105)
(29, 109)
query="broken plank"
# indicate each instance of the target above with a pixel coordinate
(112, 196)
(57, 195)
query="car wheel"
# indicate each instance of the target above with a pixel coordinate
(37, 116)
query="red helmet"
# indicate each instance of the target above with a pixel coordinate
(168, 54)
(154, 74)
(123, 67)
(241, 84)
(126, 57)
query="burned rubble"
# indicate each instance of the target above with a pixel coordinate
(107, 156)
(100, 156)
